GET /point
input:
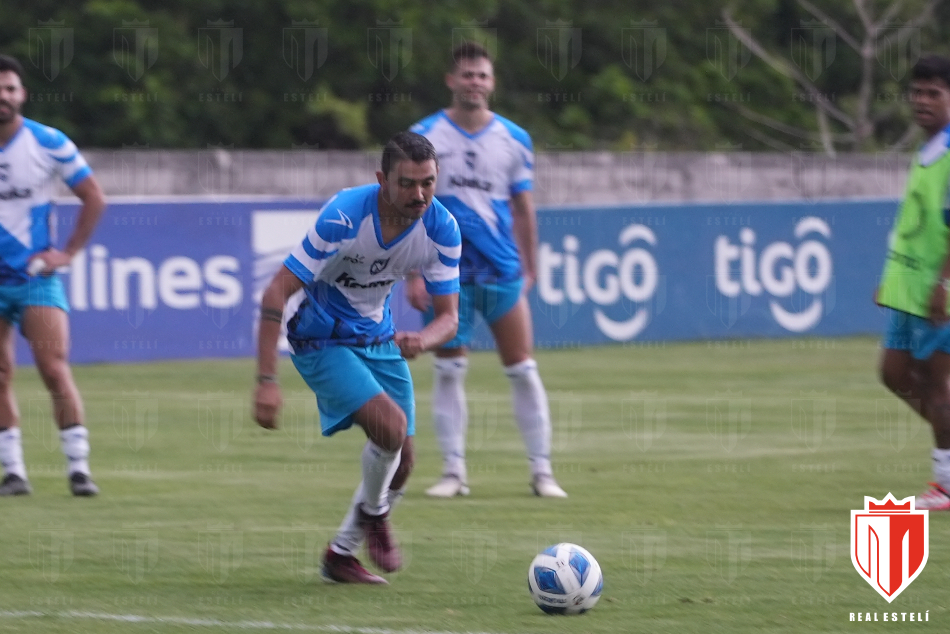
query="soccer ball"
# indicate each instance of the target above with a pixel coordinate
(565, 579)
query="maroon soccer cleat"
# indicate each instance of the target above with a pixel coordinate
(345, 569)
(380, 544)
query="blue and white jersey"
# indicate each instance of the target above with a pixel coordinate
(478, 175)
(349, 271)
(30, 164)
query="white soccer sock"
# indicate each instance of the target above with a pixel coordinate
(942, 467)
(11, 452)
(379, 466)
(75, 444)
(531, 411)
(349, 537)
(394, 496)
(450, 413)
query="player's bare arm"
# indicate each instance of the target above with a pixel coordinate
(267, 396)
(439, 331)
(525, 225)
(93, 205)
(416, 293)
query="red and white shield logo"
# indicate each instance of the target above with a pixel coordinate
(890, 542)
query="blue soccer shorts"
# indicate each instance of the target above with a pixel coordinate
(491, 301)
(38, 291)
(915, 334)
(344, 378)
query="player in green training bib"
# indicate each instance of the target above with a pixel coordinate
(915, 364)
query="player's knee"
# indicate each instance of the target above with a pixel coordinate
(895, 378)
(394, 431)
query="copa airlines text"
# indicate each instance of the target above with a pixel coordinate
(100, 282)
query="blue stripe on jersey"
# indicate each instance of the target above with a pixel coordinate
(298, 269)
(47, 137)
(66, 159)
(13, 265)
(79, 176)
(39, 227)
(314, 252)
(442, 228)
(517, 132)
(426, 124)
(446, 260)
(446, 287)
(522, 186)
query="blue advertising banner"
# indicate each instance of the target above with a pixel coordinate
(183, 279)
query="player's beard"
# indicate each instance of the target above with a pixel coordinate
(8, 112)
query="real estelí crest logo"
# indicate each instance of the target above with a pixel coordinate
(890, 543)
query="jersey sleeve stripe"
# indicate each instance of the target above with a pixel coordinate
(81, 175)
(442, 287)
(313, 252)
(521, 186)
(447, 261)
(303, 273)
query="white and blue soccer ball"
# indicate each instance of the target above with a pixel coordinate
(565, 579)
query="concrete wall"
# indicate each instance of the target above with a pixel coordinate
(563, 178)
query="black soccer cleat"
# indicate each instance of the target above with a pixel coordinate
(14, 485)
(82, 485)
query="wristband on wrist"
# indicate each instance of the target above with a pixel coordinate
(945, 283)
(266, 378)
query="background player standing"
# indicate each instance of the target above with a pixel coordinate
(487, 168)
(915, 363)
(343, 339)
(32, 157)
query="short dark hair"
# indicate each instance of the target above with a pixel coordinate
(932, 67)
(407, 145)
(468, 50)
(12, 65)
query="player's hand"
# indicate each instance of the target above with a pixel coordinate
(417, 295)
(410, 344)
(938, 305)
(267, 402)
(52, 258)
(528, 280)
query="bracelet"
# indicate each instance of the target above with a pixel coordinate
(945, 283)
(266, 378)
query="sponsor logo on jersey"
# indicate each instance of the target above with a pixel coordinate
(343, 220)
(461, 181)
(348, 281)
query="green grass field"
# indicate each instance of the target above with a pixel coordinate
(713, 482)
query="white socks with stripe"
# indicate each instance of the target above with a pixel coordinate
(75, 444)
(379, 466)
(531, 411)
(375, 500)
(11, 452)
(450, 413)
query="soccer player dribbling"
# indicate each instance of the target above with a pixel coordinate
(343, 340)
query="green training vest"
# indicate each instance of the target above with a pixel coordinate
(918, 246)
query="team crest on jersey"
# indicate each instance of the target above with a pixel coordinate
(378, 265)
(890, 542)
